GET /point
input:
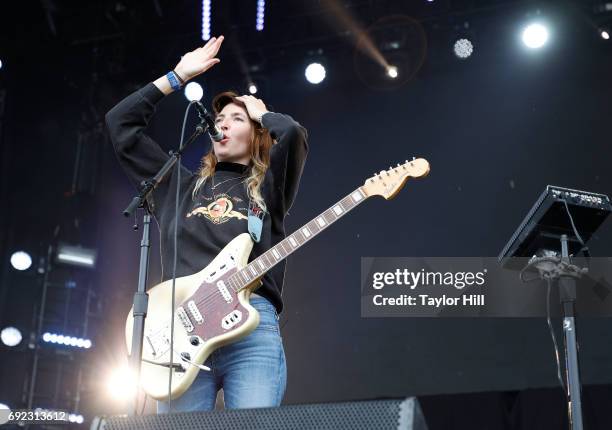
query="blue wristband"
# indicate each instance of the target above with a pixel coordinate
(174, 82)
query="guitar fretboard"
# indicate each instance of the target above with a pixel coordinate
(256, 268)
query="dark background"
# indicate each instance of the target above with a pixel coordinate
(496, 128)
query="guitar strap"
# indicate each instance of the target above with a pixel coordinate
(256, 217)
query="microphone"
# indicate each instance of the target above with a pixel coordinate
(214, 133)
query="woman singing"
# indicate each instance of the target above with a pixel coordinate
(258, 164)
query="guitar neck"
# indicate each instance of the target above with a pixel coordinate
(259, 266)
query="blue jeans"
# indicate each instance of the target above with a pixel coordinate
(252, 371)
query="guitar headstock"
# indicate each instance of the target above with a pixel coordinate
(387, 183)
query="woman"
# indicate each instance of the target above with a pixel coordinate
(258, 164)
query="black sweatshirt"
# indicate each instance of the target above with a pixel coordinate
(203, 227)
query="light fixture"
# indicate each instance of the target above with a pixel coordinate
(315, 73)
(206, 19)
(21, 260)
(121, 383)
(261, 9)
(11, 336)
(535, 35)
(61, 339)
(193, 91)
(463, 48)
(76, 256)
(392, 72)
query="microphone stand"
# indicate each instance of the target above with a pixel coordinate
(565, 275)
(141, 298)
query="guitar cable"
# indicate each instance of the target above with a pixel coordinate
(176, 210)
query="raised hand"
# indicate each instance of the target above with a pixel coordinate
(199, 60)
(255, 107)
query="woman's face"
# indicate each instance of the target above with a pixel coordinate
(237, 129)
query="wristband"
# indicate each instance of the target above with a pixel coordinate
(174, 82)
(179, 78)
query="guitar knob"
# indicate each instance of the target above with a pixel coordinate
(186, 356)
(194, 340)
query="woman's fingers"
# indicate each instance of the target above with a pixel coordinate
(218, 43)
(210, 42)
(211, 50)
(205, 47)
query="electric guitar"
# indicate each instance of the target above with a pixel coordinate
(212, 306)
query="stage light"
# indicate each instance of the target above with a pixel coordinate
(252, 88)
(193, 91)
(10, 336)
(21, 260)
(392, 72)
(0, 64)
(261, 8)
(535, 36)
(61, 339)
(315, 73)
(121, 383)
(463, 48)
(75, 418)
(604, 35)
(205, 19)
(76, 256)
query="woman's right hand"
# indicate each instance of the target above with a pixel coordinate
(199, 60)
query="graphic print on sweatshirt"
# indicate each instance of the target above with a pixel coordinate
(220, 210)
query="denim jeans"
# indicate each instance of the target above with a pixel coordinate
(252, 371)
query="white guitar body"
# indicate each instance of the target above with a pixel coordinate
(216, 315)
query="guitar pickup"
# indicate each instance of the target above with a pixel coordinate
(195, 312)
(224, 291)
(184, 318)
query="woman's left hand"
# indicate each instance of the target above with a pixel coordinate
(255, 107)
